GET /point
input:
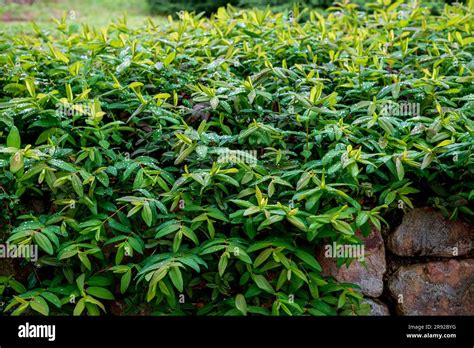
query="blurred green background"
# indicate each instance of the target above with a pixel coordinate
(16, 15)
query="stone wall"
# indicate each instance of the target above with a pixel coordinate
(425, 266)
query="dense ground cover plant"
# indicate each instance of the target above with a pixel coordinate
(211, 6)
(116, 154)
(168, 7)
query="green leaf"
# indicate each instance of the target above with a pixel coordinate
(135, 84)
(43, 242)
(263, 283)
(342, 226)
(241, 304)
(13, 139)
(135, 244)
(17, 286)
(426, 161)
(303, 181)
(217, 214)
(85, 261)
(62, 165)
(30, 86)
(92, 300)
(125, 281)
(67, 254)
(167, 230)
(390, 197)
(77, 185)
(262, 257)
(242, 255)
(271, 220)
(342, 300)
(147, 214)
(362, 218)
(52, 298)
(400, 170)
(102, 293)
(118, 226)
(190, 234)
(139, 180)
(176, 278)
(20, 309)
(297, 222)
(251, 210)
(80, 282)
(222, 264)
(169, 59)
(158, 275)
(98, 280)
(16, 162)
(39, 304)
(309, 260)
(185, 153)
(214, 102)
(79, 307)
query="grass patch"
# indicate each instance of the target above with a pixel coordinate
(97, 13)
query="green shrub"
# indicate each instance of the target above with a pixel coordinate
(117, 155)
(282, 4)
(211, 6)
(208, 6)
